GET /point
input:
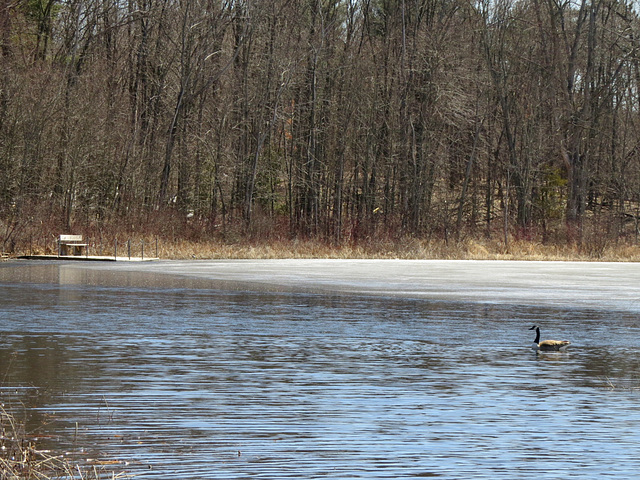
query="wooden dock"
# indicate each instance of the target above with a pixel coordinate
(75, 248)
(89, 258)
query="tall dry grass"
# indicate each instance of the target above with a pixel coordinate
(21, 459)
(405, 249)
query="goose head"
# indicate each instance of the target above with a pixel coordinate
(535, 342)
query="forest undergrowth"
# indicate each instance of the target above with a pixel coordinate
(169, 238)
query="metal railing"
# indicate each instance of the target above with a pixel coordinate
(128, 245)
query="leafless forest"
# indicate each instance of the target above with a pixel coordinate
(339, 120)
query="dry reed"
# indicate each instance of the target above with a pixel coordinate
(20, 458)
(406, 249)
(632, 385)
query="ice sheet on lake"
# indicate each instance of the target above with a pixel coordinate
(578, 284)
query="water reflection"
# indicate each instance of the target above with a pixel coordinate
(186, 379)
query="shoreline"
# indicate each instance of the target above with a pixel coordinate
(409, 249)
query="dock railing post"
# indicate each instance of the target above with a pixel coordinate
(142, 245)
(115, 250)
(129, 248)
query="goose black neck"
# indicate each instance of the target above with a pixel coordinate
(537, 340)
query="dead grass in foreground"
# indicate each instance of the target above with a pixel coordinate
(20, 458)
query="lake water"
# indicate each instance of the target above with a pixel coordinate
(225, 370)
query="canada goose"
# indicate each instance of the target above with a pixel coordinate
(548, 345)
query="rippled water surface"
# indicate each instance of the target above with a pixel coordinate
(178, 378)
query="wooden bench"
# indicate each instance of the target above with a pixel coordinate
(71, 245)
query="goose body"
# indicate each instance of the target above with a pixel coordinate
(548, 345)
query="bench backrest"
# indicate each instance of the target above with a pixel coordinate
(70, 238)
